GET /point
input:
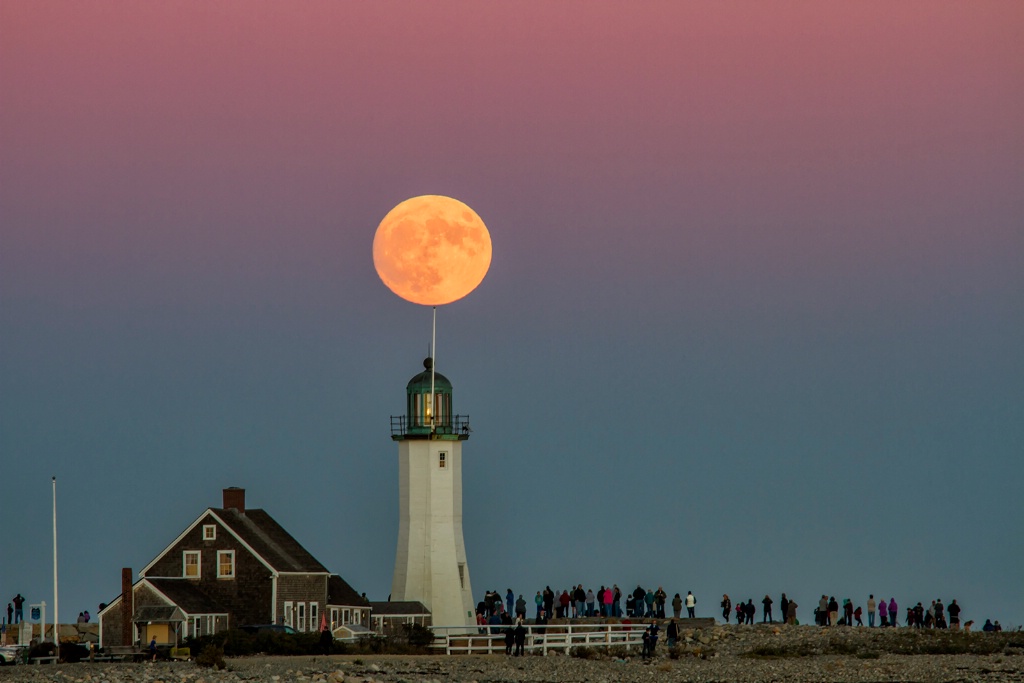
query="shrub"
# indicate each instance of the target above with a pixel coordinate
(583, 652)
(212, 657)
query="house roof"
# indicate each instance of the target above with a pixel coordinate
(340, 593)
(398, 608)
(187, 596)
(158, 614)
(269, 539)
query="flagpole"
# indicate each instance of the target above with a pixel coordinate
(56, 617)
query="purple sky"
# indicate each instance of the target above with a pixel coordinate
(753, 323)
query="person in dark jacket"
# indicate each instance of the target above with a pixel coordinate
(749, 611)
(767, 602)
(672, 632)
(726, 607)
(954, 614)
(784, 607)
(520, 638)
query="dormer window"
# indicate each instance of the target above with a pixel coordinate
(442, 460)
(209, 532)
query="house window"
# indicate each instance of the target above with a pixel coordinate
(301, 609)
(462, 574)
(357, 617)
(334, 618)
(209, 532)
(442, 459)
(225, 564)
(314, 610)
(190, 562)
(288, 615)
(346, 616)
(197, 627)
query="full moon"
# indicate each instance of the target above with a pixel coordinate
(432, 250)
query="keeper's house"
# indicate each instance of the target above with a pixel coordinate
(232, 566)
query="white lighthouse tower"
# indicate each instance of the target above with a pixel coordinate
(430, 563)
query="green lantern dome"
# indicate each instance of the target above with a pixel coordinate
(420, 384)
(428, 415)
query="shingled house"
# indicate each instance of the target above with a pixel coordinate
(231, 566)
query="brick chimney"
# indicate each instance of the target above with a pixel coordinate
(234, 497)
(127, 606)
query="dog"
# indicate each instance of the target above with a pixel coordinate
(967, 625)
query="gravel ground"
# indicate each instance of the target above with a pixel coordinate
(727, 651)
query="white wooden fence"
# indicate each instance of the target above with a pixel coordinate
(457, 640)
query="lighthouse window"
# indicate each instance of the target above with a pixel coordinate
(442, 460)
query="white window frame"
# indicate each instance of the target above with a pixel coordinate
(314, 616)
(221, 553)
(197, 627)
(289, 614)
(346, 615)
(300, 616)
(442, 460)
(199, 564)
(209, 532)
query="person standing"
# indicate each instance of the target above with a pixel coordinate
(19, 614)
(791, 612)
(691, 604)
(894, 614)
(510, 600)
(607, 602)
(954, 615)
(616, 602)
(549, 600)
(883, 611)
(677, 607)
(726, 607)
(767, 602)
(152, 648)
(660, 596)
(521, 607)
(590, 602)
(649, 603)
(539, 601)
(784, 606)
(10, 614)
(579, 601)
(833, 611)
(520, 638)
(638, 601)
(672, 632)
(822, 615)
(872, 605)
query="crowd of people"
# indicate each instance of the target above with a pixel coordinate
(649, 603)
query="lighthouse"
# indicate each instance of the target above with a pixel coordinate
(430, 562)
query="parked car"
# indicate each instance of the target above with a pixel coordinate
(12, 654)
(268, 628)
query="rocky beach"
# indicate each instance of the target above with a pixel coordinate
(758, 654)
